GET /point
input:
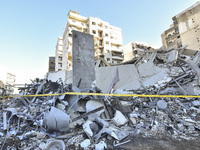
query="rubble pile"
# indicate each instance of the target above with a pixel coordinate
(63, 121)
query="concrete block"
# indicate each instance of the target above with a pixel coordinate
(128, 77)
(54, 76)
(173, 55)
(85, 143)
(133, 120)
(147, 69)
(92, 105)
(119, 118)
(83, 60)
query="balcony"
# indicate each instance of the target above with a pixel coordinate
(116, 41)
(114, 49)
(172, 36)
(76, 16)
(117, 58)
(77, 24)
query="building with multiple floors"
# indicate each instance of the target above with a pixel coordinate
(107, 39)
(51, 64)
(58, 55)
(185, 29)
(136, 49)
(7, 80)
(10, 81)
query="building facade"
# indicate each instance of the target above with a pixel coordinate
(10, 81)
(58, 55)
(185, 29)
(135, 50)
(51, 64)
(107, 38)
(7, 81)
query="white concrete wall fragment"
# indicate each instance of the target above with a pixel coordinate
(85, 143)
(173, 55)
(147, 69)
(87, 129)
(119, 119)
(94, 104)
(54, 76)
(100, 146)
(128, 77)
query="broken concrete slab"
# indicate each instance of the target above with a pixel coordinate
(100, 146)
(85, 143)
(91, 114)
(173, 55)
(83, 59)
(92, 105)
(54, 76)
(56, 120)
(146, 69)
(119, 119)
(128, 76)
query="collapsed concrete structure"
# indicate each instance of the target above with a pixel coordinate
(63, 121)
(185, 29)
(135, 49)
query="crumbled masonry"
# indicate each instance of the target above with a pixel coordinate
(62, 122)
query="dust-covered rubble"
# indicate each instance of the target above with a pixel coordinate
(63, 121)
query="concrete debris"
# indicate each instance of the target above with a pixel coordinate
(100, 146)
(56, 120)
(100, 122)
(119, 118)
(162, 104)
(55, 145)
(85, 143)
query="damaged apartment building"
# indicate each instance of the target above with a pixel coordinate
(135, 49)
(107, 40)
(185, 29)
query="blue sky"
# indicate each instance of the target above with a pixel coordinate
(29, 28)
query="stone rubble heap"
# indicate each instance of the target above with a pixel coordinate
(101, 122)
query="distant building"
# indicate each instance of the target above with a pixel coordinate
(59, 52)
(136, 49)
(10, 81)
(185, 29)
(107, 39)
(2, 85)
(51, 64)
(7, 80)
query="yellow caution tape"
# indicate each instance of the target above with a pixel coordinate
(103, 94)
